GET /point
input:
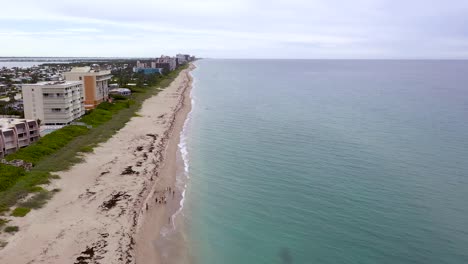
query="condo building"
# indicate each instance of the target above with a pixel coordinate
(17, 133)
(54, 103)
(182, 58)
(95, 83)
(165, 62)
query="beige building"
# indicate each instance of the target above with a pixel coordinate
(17, 133)
(54, 103)
(95, 83)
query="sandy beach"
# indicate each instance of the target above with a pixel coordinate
(111, 207)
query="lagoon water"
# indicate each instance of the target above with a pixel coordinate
(328, 161)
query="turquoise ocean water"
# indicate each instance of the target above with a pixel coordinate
(328, 161)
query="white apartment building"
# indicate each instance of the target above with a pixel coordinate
(17, 133)
(54, 103)
(95, 83)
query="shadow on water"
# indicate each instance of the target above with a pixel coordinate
(285, 256)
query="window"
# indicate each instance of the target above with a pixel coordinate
(81, 78)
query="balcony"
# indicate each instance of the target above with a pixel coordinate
(58, 114)
(10, 140)
(23, 143)
(10, 146)
(62, 97)
(57, 100)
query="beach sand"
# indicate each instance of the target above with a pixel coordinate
(106, 211)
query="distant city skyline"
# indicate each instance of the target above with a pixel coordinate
(236, 29)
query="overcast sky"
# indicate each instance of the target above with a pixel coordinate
(236, 28)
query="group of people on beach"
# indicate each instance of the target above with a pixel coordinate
(163, 199)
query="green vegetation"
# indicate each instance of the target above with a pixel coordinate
(118, 97)
(23, 186)
(49, 144)
(38, 200)
(3, 222)
(104, 112)
(20, 211)
(11, 229)
(9, 175)
(3, 244)
(87, 149)
(59, 150)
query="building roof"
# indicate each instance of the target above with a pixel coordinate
(9, 123)
(120, 90)
(81, 69)
(57, 83)
(87, 71)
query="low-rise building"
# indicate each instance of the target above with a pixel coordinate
(95, 83)
(147, 71)
(17, 133)
(121, 91)
(54, 103)
(3, 89)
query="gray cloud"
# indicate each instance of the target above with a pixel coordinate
(239, 28)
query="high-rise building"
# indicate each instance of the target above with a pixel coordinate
(167, 63)
(95, 83)
(182, 58)
(54, 103)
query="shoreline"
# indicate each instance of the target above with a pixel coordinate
(148, 250)
(107, 202)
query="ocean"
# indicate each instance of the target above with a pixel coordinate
(26, 62)
(327, 161)
(20, 64)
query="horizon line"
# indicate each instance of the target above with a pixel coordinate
(220, 58)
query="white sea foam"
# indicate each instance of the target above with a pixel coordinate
(183, 148)
(170, 232)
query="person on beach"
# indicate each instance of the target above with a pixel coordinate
(146, 207)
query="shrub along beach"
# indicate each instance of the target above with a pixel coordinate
(21, 190)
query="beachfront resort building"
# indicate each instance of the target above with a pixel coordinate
(182, 58)
(17, 133)
(54, 103)
(165, 62)
(95, 83)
